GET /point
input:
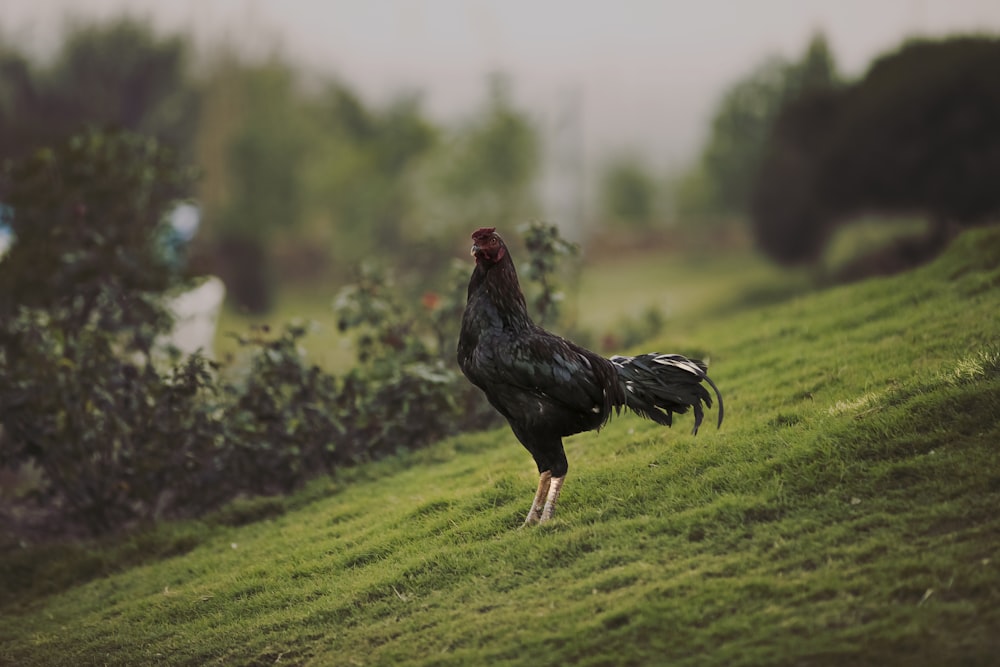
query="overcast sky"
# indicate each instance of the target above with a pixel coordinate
(634, 74)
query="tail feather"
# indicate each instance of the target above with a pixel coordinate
(658, 385)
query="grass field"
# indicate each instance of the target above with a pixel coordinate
(846, 513)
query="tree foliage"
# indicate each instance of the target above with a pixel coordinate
(114, 75)
(299, 177)
(80, 295)
(484, 171)
(722, 182)
(88, 217)
(263, 149)
(918, 133)
(363, 179)
(789, 223)
(628, 193)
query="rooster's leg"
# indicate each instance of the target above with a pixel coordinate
(535, 513)
(555, 486)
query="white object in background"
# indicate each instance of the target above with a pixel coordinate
(196, 314)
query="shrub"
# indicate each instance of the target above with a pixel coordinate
(114, 438)
(280, 426)
(80, 307)
(87, 219)
(121, 440)
(407, 390)
(546, 250)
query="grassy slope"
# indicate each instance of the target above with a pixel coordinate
(845, 513)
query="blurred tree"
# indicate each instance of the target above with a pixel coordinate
(693, 195)
(720, 185)
(265, 154)
(255, 147)
(921, 131)
(918, 133)
(739, 132)
(788, 221)
(21, 123)
(117, 75)
(815, 72)
(484, 174)
(293, 179)
(404, 140)
(87, 216)
(628, 193)
(362, 178)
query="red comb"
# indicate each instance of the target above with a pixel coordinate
(482, 232)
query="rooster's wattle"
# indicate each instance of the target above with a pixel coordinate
(548, 387)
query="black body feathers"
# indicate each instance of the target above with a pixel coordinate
(548, 387)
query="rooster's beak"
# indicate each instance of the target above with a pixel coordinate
(474, 250)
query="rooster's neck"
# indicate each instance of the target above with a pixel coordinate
(498, 284)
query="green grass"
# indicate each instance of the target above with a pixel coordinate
(685, 288)
(846, 513)
(859, 237)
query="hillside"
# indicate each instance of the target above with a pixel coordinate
(846, 513)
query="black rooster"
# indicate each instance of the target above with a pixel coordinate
(548, 387)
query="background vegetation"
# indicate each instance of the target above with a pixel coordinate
(844, 514)
(300, 177)
(917, 133)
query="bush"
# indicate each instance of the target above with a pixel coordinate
(111, 435)
(546, 250)
(120, 440)
(87, 219)
(81, 304)
(280, 426)
(407, 389)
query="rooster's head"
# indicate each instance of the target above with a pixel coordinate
(487, 246)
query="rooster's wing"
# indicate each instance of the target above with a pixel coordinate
(529, 372)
